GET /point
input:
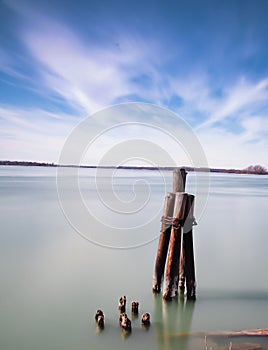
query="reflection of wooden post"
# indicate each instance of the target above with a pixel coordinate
(172, 268)
(163, 243)
(189, 248)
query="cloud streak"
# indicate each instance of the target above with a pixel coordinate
(236, 99)
(86, 76)
(34, 133)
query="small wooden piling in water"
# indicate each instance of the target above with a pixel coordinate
(122, 304)
(135, 307)
(99, 318)
(146, 319)
(174, 251)
(125, 322)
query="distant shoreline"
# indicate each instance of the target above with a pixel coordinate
(187, 168)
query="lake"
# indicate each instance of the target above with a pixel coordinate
(62, 260)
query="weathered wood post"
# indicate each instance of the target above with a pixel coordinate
(173, 261)
(173, 251)
(182, 268)
(189, 248)
(179, 180)
(163, 243)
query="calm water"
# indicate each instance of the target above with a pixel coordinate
(54, 274)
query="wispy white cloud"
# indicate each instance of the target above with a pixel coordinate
(239, 103)
(33, 134)
(237, 98)
(85, 75)
(255, 128)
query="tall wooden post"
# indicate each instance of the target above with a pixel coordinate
(163, 243)
(179, 180)
(178, 253)
(173, 261)
(189, 248)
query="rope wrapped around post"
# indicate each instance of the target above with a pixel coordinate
(169, 221)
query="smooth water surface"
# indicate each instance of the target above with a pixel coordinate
(53, 279)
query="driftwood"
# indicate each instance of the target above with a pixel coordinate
(259, 332)
(235, 340)
(246, 333)
(233, 345)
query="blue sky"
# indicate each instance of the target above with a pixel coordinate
(61, 61)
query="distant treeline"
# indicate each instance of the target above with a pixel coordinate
(252, 169)
(25, 163)
(256, 169)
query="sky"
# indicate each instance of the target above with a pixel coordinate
(206, 61)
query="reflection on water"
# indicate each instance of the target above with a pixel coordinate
(52, 280)
(172, 320)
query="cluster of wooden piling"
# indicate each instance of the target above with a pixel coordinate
(175, 255)
(124, 321)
